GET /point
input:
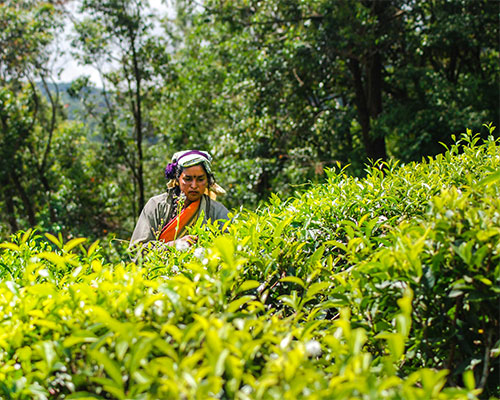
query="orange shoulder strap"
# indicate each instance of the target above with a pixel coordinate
(172, 230)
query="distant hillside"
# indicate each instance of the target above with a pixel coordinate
(73, 105)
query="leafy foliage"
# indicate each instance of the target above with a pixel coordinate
(120, 34)
(382, 287)
(279, 90)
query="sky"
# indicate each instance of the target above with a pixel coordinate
(71, 70)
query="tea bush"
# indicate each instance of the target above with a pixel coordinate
(385, 287)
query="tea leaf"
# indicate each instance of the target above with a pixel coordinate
(109, 365)
(293, 279)
(236, 304)
(248, 285)
(10, 246)
(54, 240)
(73, 243)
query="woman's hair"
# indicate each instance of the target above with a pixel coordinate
(210, 176)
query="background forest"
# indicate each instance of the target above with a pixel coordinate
(357, 141)
(278, 91)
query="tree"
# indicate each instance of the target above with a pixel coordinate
(446, 76)
(27, 122)
(278, 95)
(117, 34)
(301, 85)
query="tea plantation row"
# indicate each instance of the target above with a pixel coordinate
(386, 287)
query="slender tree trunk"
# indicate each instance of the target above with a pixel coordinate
(375, 80)
(135, 214)
(369, 105)
(140, 156)
(368, 80)
(9, 203)
(42, 165)
(138, 123)
(360, 101)
(48, 196)
(27, 203)
(53, 120)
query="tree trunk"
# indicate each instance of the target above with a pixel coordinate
(375, 79)
(140, 157)
(28, 206)
(9, 204)
(48, 196)
(368, 107)
(368, 80)
(138, 124)
(42, 166)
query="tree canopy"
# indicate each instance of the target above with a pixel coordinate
(278, 91)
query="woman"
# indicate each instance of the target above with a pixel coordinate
(191, 193)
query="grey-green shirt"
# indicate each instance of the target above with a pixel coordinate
(156, 211)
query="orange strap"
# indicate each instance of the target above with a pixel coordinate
(172, 230)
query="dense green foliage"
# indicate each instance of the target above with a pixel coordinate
(381, 287)
(291, 87)
(28, 124)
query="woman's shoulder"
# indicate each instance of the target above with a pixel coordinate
(212, 201)
(217, 209)
(159, 199)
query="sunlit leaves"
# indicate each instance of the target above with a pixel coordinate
(358, 288)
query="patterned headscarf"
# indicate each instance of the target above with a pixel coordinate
(189, 158)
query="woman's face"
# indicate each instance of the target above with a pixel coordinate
(193, 182)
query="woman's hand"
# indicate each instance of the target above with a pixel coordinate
(184, 242)
(190, 239)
